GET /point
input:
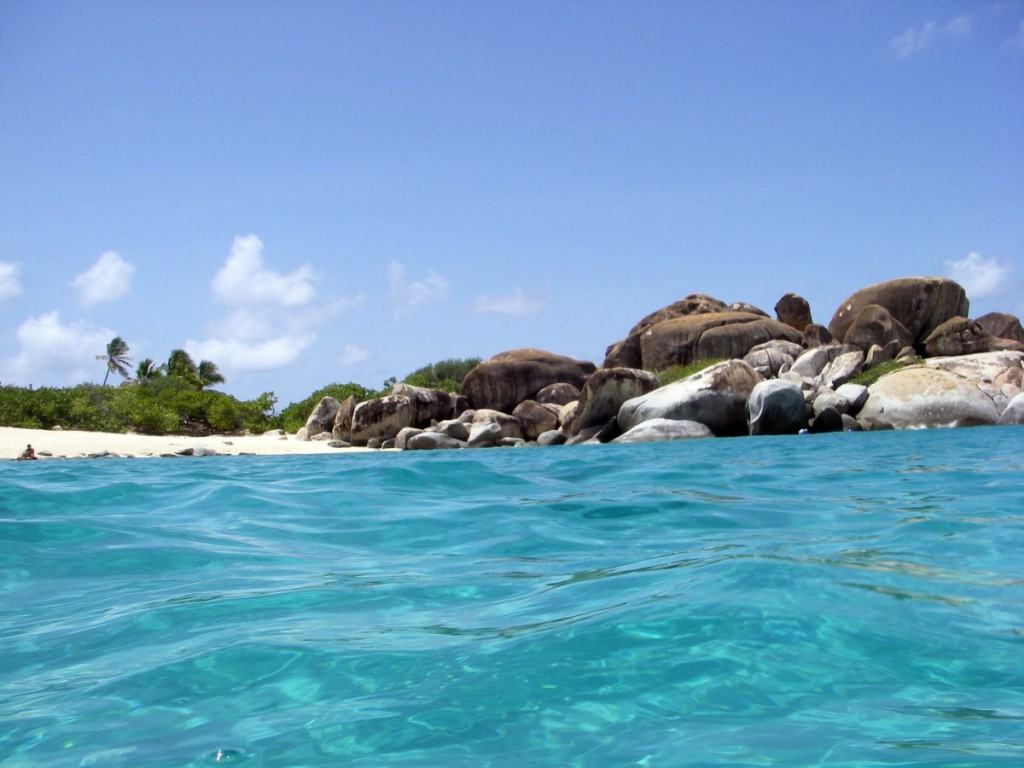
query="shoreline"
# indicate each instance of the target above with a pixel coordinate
(78, 444)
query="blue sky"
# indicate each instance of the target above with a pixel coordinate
(322, 191)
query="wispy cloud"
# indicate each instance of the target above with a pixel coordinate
(518, 303)
(108, 279)
(51, 351)
(10, 280)
(979, 276)
(409, 295)
(353, 355)
(245, 280)
(920, 37)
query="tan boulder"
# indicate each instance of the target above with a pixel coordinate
(341, 429)
(919, 304)
(381, 418)
(957, 336)
(1001, 325)
(794, 311)
(535, 418)
(505, 380)
(606, 391)
(682, 340)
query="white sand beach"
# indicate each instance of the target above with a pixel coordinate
(76, 444)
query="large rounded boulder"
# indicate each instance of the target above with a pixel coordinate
(921, 396)
(1001, 325)
(683, 340)
(794, 311)
(776, 407)
(875, 325)
(505, 380)
(627, 353)
(382, 418)
(715, 397)
(606, 391)
(920, 304)
(957, 336)
(1000, 375)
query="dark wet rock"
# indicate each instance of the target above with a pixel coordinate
(794, 311)
(429, 441)
(505, 380)
(551, 437)
(716, 397)
(829, 420)
(660, 430)
(776, 407)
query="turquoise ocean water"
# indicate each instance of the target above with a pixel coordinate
(835, 600)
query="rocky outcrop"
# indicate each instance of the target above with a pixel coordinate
(627, 353)
(683, 340)
(505, 380)
(794, 311)
(776, 407)
(428, 404)
(875, 325)
(716, 397)
(606, 391)
(1001, 325)
(381, 418)
(341, 429)
(922, 396)
(920, 304)
(536, 418)
(773, 357)
(812, 362)
(1000, 375)
(660, 430)
(558, 394)
(957, 336)
(320, 419)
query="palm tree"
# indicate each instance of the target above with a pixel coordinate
(208, 374)
(148, 370)
(181, 364)
(116, 358)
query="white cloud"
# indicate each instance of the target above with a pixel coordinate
(516, 304)
(353, 355)
(959, 27)
(10, 280)
(409, 295)
(52, 352)
(979, 276)
(230, 353)
(922, 36)
(244, 280)
(913, 40)
(108, 279)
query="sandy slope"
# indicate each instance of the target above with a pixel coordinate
(71, 443)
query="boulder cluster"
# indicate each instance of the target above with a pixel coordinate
(780, 375)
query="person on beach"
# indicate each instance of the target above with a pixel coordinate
(28, 454)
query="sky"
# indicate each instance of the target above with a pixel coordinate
(314, 192)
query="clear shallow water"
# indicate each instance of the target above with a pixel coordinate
(839, 600)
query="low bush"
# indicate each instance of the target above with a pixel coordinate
(677, 372)
(871, 375)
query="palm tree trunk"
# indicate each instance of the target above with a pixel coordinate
(106, 377)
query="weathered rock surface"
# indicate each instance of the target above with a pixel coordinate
(877, 355)
(1002, 326)
(842, 369)
(776, 407)
(405, 434)
(659, 430)
(812, 362)
(381, 418)
(828, 420)
(321, 418)
(854, 394)
(428, 404)
(508, 424)
(922, 396)
(815, 335)
(1014, 411)
(773, 357)
(505, 380)
(551, 437)
(743, 306)
(716, 397)
(829, 399)
(558, 394)
(957, 336)
(535, 418)
(606, 391)
(453, 428)
(1000, 375)
(705, 337)
(566, 416)
(341, 429)
(484, 434)
(920, 304)
(627, 353)
(430, 441)
(875, 325)
(794, 311)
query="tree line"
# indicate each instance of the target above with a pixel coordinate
(180, 364)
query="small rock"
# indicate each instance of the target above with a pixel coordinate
(1012, 414)
(855, 395)
(302, 434)
(374, 443)
(429, 441)
(484, 434)
(323, 437)
(551, 437)
(850, 424)
(339, 444)
(454, 428)
(57, 428)
(405, 434)
(511, 442)
(829, 399)
(829, 420)
(659, 430)
(388, 444)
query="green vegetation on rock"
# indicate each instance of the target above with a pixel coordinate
(444, 374)
(294, 415)
(677, 372)
(871, 375)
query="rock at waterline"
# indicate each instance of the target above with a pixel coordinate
(659, 430)
(776, 407)
(605, 392)
(920, 396)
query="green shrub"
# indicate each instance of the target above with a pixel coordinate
(294, 416)
(871, 375)
(677, 372)
(444, 374)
